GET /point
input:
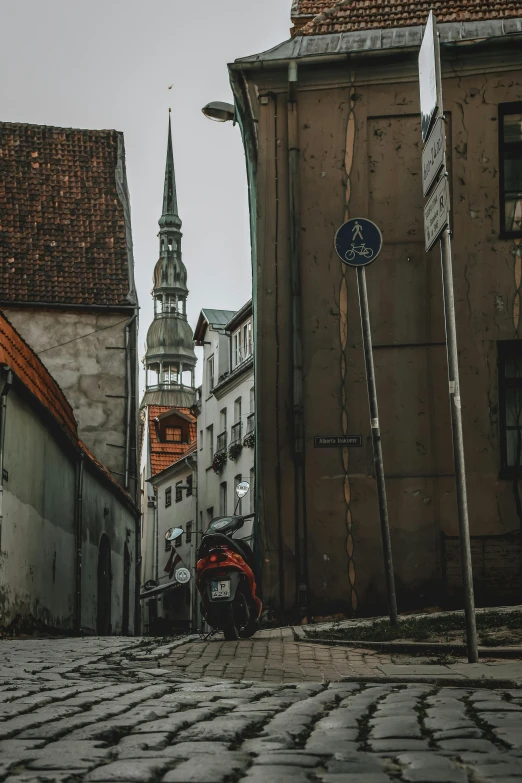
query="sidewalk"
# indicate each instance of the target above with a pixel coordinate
(275, 656)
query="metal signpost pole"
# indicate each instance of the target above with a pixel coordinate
(377, 446)
(437, 226)
(458, 446)
(358, 243)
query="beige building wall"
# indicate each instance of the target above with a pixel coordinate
(360, 155)
(86, 353)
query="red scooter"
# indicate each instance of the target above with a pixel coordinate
(225, 577)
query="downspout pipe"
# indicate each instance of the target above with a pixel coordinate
(79, 540)
(3, 418)
(130, 395)
(193, 465)
(297, 342)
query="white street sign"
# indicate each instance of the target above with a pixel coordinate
(429, 74)
(434, 155)
(436, 213)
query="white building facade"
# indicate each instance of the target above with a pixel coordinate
(225, 410)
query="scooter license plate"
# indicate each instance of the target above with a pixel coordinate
(220, 589)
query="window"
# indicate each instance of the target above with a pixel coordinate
(510, 157)
(201, 440)
(189, 486)
(210, 441)
(179, 491)
(210, 515)
(239, 502)
(252, 400)
(223, 499)
(237, 410)
(223, 420)
(188, 532)
(510, 405)
(242, 344)
(173, 434)
(178, 541)
(168, 497)
(210, 374)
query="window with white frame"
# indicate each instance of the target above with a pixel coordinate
(210, 373)
(242, 346)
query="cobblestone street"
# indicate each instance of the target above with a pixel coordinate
(105, 710)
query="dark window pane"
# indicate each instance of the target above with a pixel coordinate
(512, 128)
(513, 367)
(513, 407)
(514, 448)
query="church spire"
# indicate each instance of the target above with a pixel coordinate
(170, 360)
(169, 215)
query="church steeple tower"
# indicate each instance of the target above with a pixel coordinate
(170, 359)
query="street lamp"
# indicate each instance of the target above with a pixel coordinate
(219, 111)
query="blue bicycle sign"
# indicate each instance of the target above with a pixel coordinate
(358, 242)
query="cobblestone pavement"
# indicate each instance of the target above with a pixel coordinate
(274, 656)
(107, 710)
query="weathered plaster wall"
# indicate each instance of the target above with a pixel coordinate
(103, 512)
(85, 353)
(38, 544)
(360, 156)
(37, 551)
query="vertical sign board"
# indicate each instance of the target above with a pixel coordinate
(429, 73)
(436, 223)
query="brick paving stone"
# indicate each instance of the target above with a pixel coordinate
(132, 771)
(204, 769)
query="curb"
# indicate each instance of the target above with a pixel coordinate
(456, 681)
(417, 648)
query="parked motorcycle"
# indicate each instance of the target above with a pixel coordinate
(225, 577)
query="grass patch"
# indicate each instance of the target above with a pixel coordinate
(494, 629)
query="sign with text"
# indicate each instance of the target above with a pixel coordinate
(433, 155)
(335, 441)
(436, 213)
(429, 69)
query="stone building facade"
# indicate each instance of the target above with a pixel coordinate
(331, 126)
(67, 276)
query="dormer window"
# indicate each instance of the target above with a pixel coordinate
(173, 434)
(242, 344)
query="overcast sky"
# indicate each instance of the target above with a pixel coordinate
(108, 64)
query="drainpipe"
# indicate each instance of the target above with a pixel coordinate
(3, 416)
(79, 539)
(156, 535)
(193, 465)
(130, 395)
(297, 343)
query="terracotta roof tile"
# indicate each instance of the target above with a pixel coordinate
(163, 455)
(26, 365)
(349, 15)
(62, 225)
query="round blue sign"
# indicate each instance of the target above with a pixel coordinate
(358, 242)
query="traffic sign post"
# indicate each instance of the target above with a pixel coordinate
(358, 243)
(437, 226)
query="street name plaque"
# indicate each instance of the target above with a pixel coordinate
(333, 441)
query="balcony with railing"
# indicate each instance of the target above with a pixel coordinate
(235, 435)
(221, 444)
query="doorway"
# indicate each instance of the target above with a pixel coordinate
(103, 621)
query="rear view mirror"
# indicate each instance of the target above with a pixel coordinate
(242, 489)
(173, 533)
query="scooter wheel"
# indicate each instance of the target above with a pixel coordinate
(248, 631)
(230, 629)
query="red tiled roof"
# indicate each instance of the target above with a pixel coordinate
(373, 14)
(163, 455)
(26, 365)
(62, 225)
